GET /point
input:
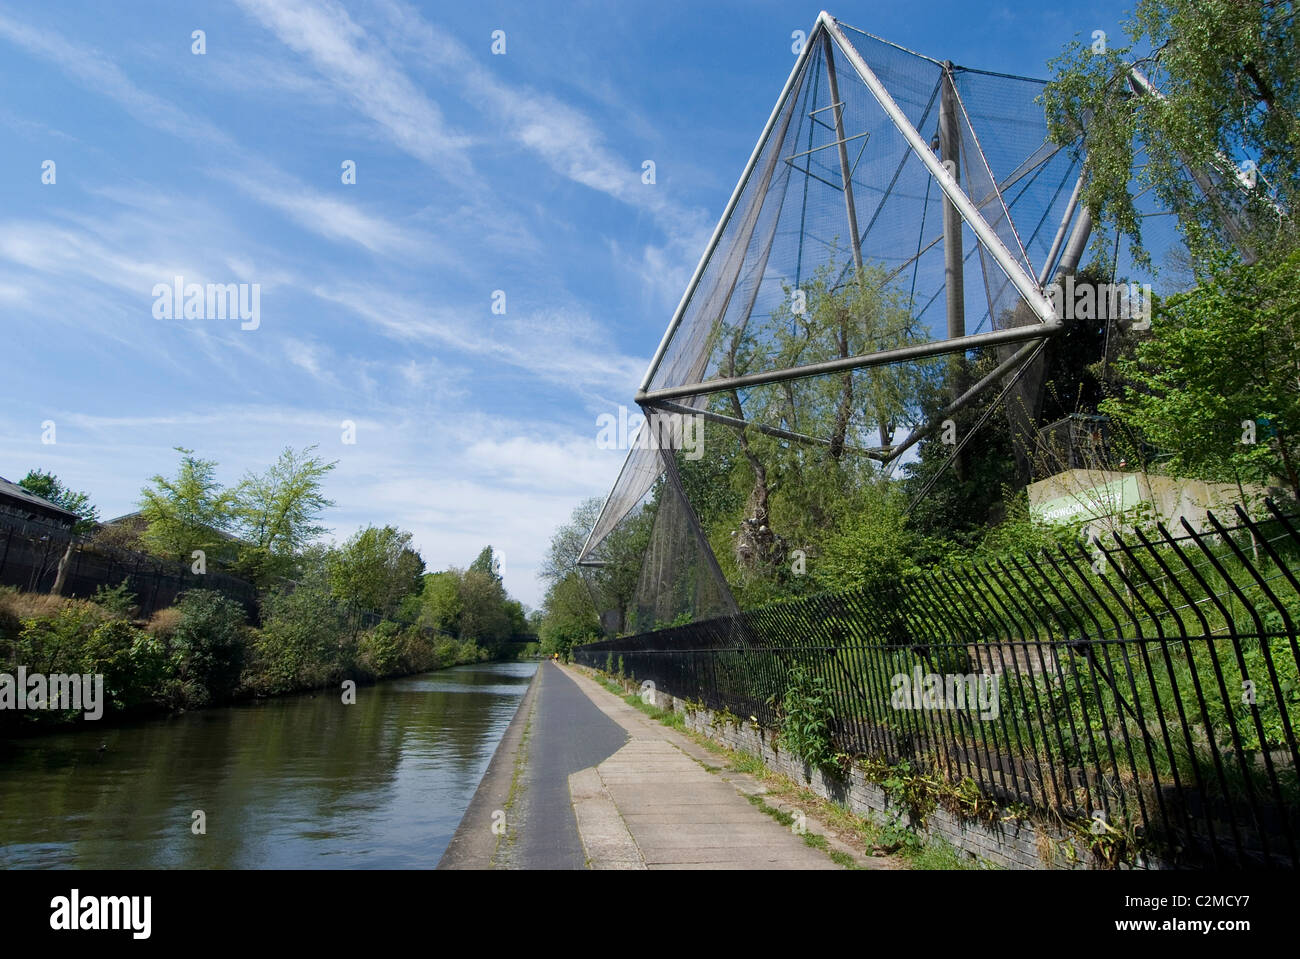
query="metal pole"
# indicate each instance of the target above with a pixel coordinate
(1060, 230)
(1078, 243)
(1023, 282)
(917, 352)
(837, 109)
(736, 421)
(1003, 368)
(950, 151)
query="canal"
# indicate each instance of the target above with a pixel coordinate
(297, 782)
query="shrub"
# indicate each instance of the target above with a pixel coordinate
(806, 717)
(116, 600)
(162, 625)
(300, 640)
(134, 665)
(53, 644)
(380, 651)
(208, 644)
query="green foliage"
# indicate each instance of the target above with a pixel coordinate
(806, 717)
(487, 563)
(277, 513)
(375, 569)
(485, 616)
(208, 644)
(53, 644)
(117, 600)
(50, 487)
(1220, 358)
(569, 617)
(302, 631)
(187, 512)
(868, 542)
(566, 543)
(380, 650)
(74, 637)
(134, 665)
(1229, 77)
(440, 603)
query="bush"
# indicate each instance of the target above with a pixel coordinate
(134, 665)
(300, 641)
(62, 639)
(116, 600)
(208, 645)
(53, 644)
(806, 717)
(162, 625)
(380, 651)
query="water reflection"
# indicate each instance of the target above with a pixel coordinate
(297, 782)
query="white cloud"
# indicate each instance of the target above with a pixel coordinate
(367, 74)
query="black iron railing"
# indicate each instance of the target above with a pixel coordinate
(1148, 685)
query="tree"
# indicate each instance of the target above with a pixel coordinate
(1218, 382)
(959, 503)
(1228, 72)
(567, 541)
(209, 644)
(484, 617)
(304, 632)
(794, 486)
(375, 569)
(276, 513)
(487, 563)
(568, 617)
(50, 487)
(186, 513)
(440, 604)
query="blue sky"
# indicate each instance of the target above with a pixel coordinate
(474, 173)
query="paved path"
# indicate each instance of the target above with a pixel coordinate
(567, 733)
(653, 804)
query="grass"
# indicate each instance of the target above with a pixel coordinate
(512, 794)
(668, 717)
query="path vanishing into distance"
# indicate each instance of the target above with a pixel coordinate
(584, 780)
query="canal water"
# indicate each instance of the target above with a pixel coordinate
(297, 782)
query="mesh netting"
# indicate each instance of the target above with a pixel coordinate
(833, 249)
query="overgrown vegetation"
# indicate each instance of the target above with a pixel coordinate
(806, 716)
(362, 610)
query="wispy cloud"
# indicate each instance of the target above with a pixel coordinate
(99, 73)
(367, 74)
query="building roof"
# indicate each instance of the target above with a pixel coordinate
(136, 518)
(12, 491)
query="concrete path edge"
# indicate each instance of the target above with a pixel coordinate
(474, 843)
